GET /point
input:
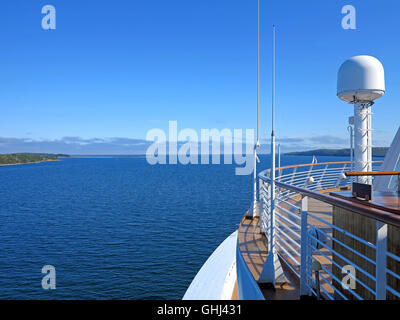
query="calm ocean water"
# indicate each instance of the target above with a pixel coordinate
(116, 228)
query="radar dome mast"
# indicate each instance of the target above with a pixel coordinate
(361, 80)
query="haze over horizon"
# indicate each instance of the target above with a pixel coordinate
(126, 146)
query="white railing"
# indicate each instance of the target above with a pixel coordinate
(314, 176)
(317, 250)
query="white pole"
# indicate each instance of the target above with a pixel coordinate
(279, 142)
(255, 208)
(258, 76)
(304, 290)
(273, 146)
(381, 260)
(350, 129)
(362, 140)
(279, 155)
(272, 271)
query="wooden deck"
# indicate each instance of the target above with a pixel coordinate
(253, 247)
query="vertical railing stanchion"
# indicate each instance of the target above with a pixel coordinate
(381, 249)
(304, 290)
(319, 183)
(341, 175)
(398, 184)
(308, 175)
(268, 225)
(263, 204)
(293, 175)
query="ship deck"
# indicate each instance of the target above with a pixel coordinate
(253, 247)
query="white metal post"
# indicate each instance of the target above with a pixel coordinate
(262, 196)
(255, 209)
(362, 140)
(272, 272)
(350, 128)
(273, 165)
(308, 176)
(322, 176)
(293, 175)
(268, 217)
(279, 158)
(254, 212)
(272, 195)
(398, 184)
(381, 248)
(304, 290)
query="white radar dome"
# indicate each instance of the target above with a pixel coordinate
(361, 79)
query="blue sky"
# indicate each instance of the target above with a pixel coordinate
(112, 70)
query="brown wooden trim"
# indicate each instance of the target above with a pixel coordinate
(376, 173)
(316, 164)
(369, 204)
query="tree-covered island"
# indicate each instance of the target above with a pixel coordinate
(21, 158)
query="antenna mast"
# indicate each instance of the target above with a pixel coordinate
(272, 271)
(255, 210)
(273, 141)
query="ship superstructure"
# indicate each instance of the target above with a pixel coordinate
(324, 230)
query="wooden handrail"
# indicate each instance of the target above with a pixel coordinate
(369, 173)
(317, 164)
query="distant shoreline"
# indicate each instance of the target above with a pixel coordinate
(376, 152)
(19, 163)
(11, 159)
(108, 156)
